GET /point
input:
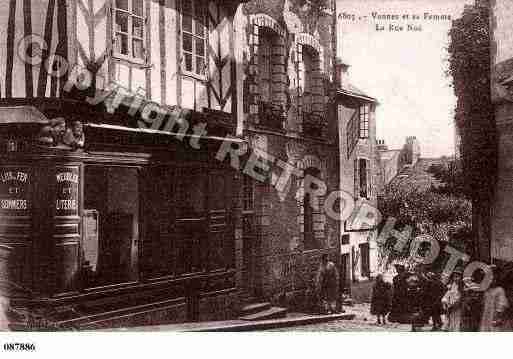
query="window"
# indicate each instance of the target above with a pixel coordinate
(194, 35)
(362, 176)
(129, 32)
(364, 260)
(265, 64)
(111, 225)
(308, 60)
(364, 121)
(351, 132)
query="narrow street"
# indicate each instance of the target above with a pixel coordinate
(363, 321)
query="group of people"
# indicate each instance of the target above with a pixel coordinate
(416, 297)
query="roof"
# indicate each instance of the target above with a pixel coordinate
(388, 154)
(349, 89)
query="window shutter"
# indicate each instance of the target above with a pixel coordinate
(356, 180)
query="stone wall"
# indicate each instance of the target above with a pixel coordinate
(285, 269)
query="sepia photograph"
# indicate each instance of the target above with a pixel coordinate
(278, 166)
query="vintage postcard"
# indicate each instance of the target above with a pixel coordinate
(255, 165)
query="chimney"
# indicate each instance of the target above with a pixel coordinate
(341, 73)
(381, 146)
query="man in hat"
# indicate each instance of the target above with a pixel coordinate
(397, 312)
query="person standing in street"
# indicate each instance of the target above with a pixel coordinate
(416, 290)
(397, 312)
(381, 299)
(435, 290)
(495, 304)
(327, 285)
(452, 301)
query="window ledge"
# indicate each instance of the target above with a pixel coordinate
(143, 64)
(194, 76)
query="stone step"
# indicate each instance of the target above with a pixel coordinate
(271, 313)
(254, 308)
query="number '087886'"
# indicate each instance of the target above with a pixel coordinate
(19, 347)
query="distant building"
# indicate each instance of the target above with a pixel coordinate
(392, 162)
(358, 170)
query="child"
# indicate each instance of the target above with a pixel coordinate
(381, 299)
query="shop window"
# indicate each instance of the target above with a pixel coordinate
(194, 35)
(129, 29)
(111, 225)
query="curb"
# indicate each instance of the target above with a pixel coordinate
(274, 323)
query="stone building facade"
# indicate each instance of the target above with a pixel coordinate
(287, 51)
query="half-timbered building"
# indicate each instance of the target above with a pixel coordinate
(115, 209)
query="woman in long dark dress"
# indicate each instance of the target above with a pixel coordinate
(399, 304)
(381, 299)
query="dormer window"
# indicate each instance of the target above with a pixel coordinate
(129, 29)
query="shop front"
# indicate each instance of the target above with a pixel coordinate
(107, 225)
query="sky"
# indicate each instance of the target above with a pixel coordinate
(404, 70)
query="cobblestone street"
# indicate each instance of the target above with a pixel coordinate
(363, 321)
